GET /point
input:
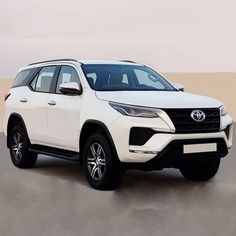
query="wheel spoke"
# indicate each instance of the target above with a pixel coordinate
(91, 158)
(93, 172)
(93, 151)
(99, 150)
(102, 162)
(14, 147)
(99, 172)
(19, 154)
(91, 163)
(15, 139)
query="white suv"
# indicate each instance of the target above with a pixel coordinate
(112, 116)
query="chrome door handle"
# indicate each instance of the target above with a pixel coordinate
(23, 100)
(52, 103)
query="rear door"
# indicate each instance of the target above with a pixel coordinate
(64, 112)
(33, 104)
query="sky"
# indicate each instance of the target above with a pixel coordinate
(170, 35)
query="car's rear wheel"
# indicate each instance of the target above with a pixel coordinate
(19, 144)
(200, 171)
(101, 166)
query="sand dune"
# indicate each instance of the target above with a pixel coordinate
(219, 85)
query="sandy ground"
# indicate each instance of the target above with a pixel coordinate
(54, 198)
(218, 85)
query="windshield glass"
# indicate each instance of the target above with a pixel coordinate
(124, 77)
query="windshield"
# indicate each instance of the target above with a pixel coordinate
(124, 77)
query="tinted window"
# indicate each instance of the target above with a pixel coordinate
(125, 77)
(42, 82)
(23, 76)
(67, 74)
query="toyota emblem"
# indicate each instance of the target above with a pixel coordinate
(198, 115)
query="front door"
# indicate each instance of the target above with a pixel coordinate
(64, 113)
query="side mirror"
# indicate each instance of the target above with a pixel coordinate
(71, 88)
(179, 87)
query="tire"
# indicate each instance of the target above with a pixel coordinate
(101, 165)
(18, 145)
(200, 171)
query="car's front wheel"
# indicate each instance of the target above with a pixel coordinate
(100, 163)
(19, 144)
(200, 171)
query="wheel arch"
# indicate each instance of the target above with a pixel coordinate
(14, 118)
(91, 126)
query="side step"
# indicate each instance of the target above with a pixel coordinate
(55, 152)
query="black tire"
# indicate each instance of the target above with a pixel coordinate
(200, 171)
(101, 165)
(18, 145)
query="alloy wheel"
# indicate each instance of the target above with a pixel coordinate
(17, 146)
(96, 161)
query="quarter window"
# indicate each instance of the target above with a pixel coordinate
(67, 74)
(23, 76)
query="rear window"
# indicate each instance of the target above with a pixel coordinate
(23, 77)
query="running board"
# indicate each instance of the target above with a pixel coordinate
(55, 152)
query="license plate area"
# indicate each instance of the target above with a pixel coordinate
(199, 148)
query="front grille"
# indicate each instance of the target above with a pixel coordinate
(184, 123)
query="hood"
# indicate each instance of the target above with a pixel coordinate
(159, 99)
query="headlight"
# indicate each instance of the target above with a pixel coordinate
(136, 111)
(223, 111)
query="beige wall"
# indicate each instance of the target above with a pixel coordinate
(4, 87)
(219, 85)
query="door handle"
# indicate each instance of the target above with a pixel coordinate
(52, 103)
(23, 100)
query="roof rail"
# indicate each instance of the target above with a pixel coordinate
(127, 61)
(55, 60)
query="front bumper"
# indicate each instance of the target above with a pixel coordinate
(172, 155)
(154, 147)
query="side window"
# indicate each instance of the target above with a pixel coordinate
(22, 77)
(67, 74)
(91, 77)
(42, 82)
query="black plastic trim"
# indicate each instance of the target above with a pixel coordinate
(172, 155)
(22, 123)
(140, 135)
(92, 121)
(55, 152)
